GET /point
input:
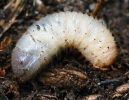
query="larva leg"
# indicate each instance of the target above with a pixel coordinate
(95, 63)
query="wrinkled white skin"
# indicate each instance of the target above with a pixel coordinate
(60, 30)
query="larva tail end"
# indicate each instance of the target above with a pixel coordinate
(21, 63)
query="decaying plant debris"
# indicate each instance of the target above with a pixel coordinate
(67, 77)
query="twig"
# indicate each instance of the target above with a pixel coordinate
(96, 10)
(14, 7)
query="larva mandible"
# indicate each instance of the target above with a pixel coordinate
(61, 30)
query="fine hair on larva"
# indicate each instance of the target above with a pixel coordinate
(45, 37)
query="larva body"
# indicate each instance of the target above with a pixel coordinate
(47, 36)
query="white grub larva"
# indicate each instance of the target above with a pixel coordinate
(61, 30)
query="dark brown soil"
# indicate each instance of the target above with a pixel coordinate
(67, 77)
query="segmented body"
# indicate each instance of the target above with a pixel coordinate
(46, 37)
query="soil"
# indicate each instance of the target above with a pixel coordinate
(68, 78)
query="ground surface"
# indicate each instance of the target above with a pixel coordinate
(67, 77)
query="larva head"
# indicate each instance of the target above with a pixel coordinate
(23, 63)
